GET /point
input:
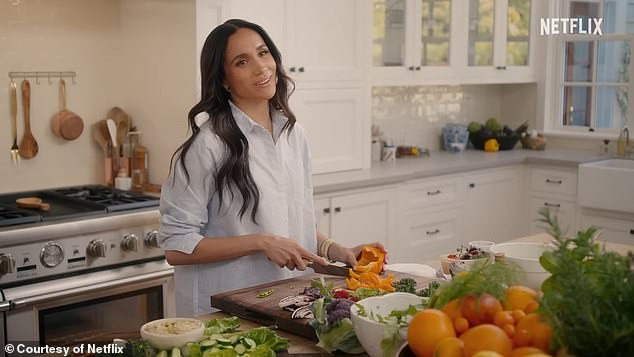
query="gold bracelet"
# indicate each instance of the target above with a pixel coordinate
(324, 247)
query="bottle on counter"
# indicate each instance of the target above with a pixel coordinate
(139, 162)
(123, 181)
(623, 141)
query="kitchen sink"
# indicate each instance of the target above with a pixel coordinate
(607, 184)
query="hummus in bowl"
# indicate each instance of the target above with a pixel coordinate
(164, 334)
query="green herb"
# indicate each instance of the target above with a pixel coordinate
(589, 297)
(484, 277)
(429, 290)
(265, 293)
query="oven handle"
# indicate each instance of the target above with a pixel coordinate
(5, 306)
(21, 303)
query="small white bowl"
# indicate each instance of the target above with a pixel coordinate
(370, 332)
(164, 334)
(526, 256)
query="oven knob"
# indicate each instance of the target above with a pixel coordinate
(96, 249)
(151, 239)
(7, 264)
(51, 255)
(129, 243)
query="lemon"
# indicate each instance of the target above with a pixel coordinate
(491, 145)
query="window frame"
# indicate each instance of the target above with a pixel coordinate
(554, 82)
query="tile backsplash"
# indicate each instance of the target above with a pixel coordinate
(414, 115)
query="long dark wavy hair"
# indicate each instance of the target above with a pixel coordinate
(234, 172)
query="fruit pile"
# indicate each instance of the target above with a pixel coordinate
(482, 325)
(492, 136)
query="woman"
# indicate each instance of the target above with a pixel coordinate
(238, 206)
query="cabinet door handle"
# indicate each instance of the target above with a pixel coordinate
(433, 193)
(417, 68)
(337, 209)
(327, 210)
(559, 182)
(631, 231)
(431, 233)
(548, 204)
(501, 67)
(301, 69)
(472, 185)
(292, 69)
(411, 68)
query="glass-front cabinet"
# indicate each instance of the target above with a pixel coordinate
(452, 41)
(412, 39)
(499, 40)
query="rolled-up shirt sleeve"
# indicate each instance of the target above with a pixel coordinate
(184, 203)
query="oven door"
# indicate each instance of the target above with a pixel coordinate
(94, 307)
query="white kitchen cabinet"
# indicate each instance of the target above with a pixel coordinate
(555, 189)
(494, 207)
(413, 40)
(499, 38)
(429, 219)
(353, 218)
(453, 41)
(319, 40)
(614, 226)
(335, 125)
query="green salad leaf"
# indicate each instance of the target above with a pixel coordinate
(340, 336)
(218, 326)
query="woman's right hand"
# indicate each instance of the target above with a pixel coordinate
(285, 252)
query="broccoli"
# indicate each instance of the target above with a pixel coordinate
(429, 291)
(338, 309)
(405, 285)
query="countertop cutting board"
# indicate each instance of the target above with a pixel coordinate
(246, 304)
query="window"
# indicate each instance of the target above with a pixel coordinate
(592, 71)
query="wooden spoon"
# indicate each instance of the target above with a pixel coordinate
(28, 145)
(32, 203)
(100, 136)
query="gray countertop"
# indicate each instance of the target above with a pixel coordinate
(443, 163)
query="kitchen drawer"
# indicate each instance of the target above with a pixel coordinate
(554, 181)
(612, 229)
(565, 211)
(424, 235)
(432, 192)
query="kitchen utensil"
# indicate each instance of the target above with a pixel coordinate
(66, 124)
(112, 131)
(28, 146)
(100, 136)
(32, 203)
(330, 269)
(14, 125)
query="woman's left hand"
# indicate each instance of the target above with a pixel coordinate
(338, 252)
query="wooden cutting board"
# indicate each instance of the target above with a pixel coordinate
(246, 304)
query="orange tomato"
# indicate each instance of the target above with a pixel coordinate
(461, 325)
(480, 310)
(525, 351)
(452, 309)
(427, 328)
(522, 338)
(541, 333)
(502, 318)
(449, 347)
(517, 297)
(531, 307)
(518, 315)
(486, 337)
(509, 330)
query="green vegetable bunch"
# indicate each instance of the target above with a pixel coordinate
(589, 297)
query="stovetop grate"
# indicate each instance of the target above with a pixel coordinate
(10, 216)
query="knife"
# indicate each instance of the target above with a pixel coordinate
(330, 269)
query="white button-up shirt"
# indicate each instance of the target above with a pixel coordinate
(280, 165)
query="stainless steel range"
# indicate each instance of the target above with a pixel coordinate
(87, 268)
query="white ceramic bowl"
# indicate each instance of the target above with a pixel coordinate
(164, 334)
(526, 256)
(370, 332)
(455, 266)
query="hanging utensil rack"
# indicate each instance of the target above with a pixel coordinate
(48, 75)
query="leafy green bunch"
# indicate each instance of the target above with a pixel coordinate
(589, 297)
